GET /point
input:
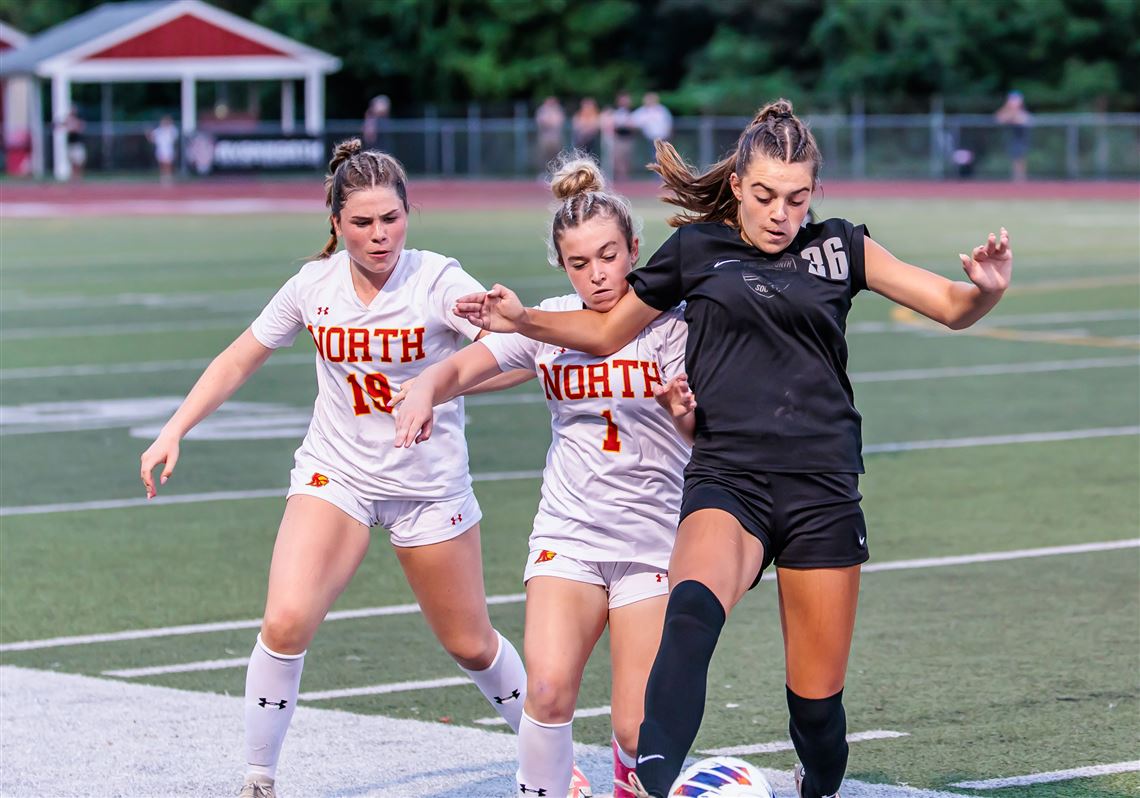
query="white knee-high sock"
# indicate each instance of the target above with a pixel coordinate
(503, 683)
(271, 686)
(546, 756)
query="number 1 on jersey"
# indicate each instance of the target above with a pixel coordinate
(612, 443)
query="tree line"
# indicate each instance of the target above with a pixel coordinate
(704, 56)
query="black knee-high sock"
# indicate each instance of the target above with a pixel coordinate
(819, 732)
(675, 693)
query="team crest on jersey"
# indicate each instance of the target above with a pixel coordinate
(544, 556)
(318, 480)
(769, 279)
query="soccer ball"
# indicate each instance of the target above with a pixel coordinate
(721, 777)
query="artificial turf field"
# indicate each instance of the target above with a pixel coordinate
(1017, 438)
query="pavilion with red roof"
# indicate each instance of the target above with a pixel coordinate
(187, 41)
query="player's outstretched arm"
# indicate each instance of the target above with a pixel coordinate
(681, 403)
(218, 382)
(438, 383)
(956, 304)
(599, 334)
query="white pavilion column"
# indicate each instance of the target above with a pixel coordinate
(314, 103)
(189, 105)
(60, 107)
(288, 107)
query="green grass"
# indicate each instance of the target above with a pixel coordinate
(991, 669)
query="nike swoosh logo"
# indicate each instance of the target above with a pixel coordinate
(642, 759)
(722, 262)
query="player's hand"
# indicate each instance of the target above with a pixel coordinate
(676, 396)
(990, 265)
(414, 416)
(498, 310)
(164, 450)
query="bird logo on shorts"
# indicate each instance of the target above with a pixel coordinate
(318, 480)
(544, 556)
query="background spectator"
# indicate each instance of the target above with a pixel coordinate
(550, 119)
(587, 126)
(375, 127)
(1016, 117)
(624, 135)
(654, 118)
(165, 141)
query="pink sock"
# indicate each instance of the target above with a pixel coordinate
(622, 770)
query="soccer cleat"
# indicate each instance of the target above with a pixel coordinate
(798, 775)
(633, 786)
(579, 785)
(258, 787)
(621, 774)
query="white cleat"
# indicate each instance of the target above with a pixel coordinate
(258, 787)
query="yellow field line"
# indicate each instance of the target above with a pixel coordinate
(911, 319)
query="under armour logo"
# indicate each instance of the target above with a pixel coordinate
(539, 792)
(455, 519)
(323, 311)
(660, 577)
(264, 702)
(514, 694)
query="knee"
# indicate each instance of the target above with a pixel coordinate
(625, 732)
(473, 652)
(692, 600)
(286, 630)
(817, 716)
(550, 698)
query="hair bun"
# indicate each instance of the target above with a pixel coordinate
(574, 173)
(781, 109)
(343, 151)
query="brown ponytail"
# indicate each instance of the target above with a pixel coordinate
(353, 168)
(775, 132)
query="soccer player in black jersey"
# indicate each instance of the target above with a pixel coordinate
(775, 465)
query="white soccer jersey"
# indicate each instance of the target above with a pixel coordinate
(364, 354)
(611, 489)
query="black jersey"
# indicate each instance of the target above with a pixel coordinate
(766, 356)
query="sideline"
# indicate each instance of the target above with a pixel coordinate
(518, 598)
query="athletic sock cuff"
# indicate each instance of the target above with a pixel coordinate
(529, 719)
(274, 654)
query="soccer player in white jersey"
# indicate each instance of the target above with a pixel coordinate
(611, 488)
(378, 314)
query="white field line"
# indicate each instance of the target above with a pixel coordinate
(137, 328)
(1055, 775)
(186, 667)
(786, 745)
(241, 322)
(1000, 556)
(997, 320)
(994, 369)
(144, 367)
(289, 359)
(380, 689)
(171, 207)
(227, 626)
(517, 598)
(591, 712)
(216, 496)
(1000, 440)
(501, 476)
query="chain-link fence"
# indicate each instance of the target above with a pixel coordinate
(928, 146)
